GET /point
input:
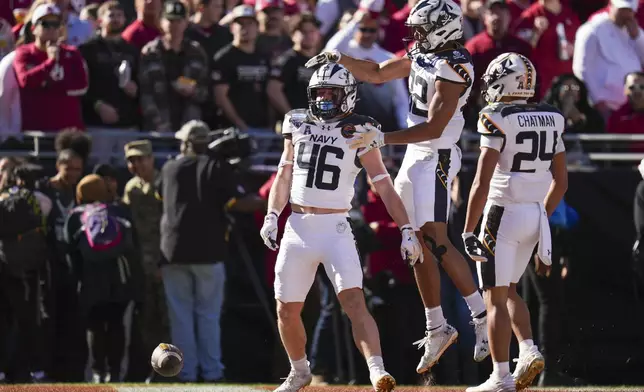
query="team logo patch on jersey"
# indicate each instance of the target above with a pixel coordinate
(341, 227)
(347, 131)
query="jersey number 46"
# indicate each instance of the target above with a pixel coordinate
(312, 157)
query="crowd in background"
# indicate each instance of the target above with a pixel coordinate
(68, 67)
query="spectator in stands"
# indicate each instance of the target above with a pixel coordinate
(10, 116)
(89, 13)
(173, 74)
(629, 118)
(550, 27)
(387, 102)
(471, 17)
(329, 13)
(109, 174)
(146, 27)
(240, 74)
(396, 30)
(493, 41)
(289, 78)
(272, 40)
(112, 63)
(639, 14)
(197, 190)
(140, 196)
(570, 95)
(12, 10)
(206, 30)
(608, 48)
(74, 31)
(517, 7)
(6, 38)
(52, 76)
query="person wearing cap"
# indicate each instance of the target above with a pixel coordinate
(289, 77)
(197, 190)
(550, 27)
(140, 195)
(111, 100)
(173, 74)
(608, 48)
(146, 26)
(240, 74)
(494, 40)
(52, 77)
(273, 39)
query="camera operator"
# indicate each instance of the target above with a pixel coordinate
(197, 191)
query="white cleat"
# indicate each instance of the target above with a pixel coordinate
(435, 343)
(495, 384)
(382, 381)
(529, 365)
(295, 382)
(482, 346)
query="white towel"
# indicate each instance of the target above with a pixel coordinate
(544, 251)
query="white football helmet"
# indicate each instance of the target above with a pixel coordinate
(433, 23)
(344, 94)
(509, 75)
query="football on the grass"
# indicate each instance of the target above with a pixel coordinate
(167, 360)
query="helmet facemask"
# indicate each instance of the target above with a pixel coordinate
(325, 106)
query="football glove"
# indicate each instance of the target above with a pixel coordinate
(474, 247)
(268, 231)
(367, 139)
(332, 56)
(410, 249)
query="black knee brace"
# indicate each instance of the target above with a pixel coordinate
(437, 250)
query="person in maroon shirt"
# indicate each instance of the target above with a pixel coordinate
(630, 117)
(52, 77)
(517, 7)
(493, 41)
(550, 27)
(396, 29)
(146, 27)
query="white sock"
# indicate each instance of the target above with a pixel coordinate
(434, 318)
(375, 363)
(525, 346)
(301, 365)
(500, 369)
(475, 303)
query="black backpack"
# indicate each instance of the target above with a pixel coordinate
(23, 242)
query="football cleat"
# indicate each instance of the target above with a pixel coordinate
(529, 365)
(495, 384)
(382, 381)
(482, 346)
(435, 343)
(295, 382)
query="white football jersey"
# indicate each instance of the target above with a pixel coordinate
(451, 65)
(324, 167)
(528, 137)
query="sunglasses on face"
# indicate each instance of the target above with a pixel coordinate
(49, 24)
(371, 30)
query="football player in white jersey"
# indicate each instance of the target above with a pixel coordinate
(440, 80)
(520, 179)
(318, 170)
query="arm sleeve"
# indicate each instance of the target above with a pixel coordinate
(76, 74)
(453, 72)
(493, 142)
(32, 78)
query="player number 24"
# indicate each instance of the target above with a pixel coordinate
(312, 157)
(538, 142)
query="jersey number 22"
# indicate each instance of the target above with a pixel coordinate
(312, 157)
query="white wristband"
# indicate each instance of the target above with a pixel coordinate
(273, 211)
(407, 227)
(467, 235)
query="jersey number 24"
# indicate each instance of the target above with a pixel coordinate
(312, 157)
(537, 142)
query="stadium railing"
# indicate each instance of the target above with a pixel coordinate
(585, 151)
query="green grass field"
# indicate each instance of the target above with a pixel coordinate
(264, 388)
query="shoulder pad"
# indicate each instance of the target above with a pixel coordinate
(456, 56)
(294, 119)
(490, 123)
(508, 110)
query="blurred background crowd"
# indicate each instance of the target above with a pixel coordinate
(92, 93)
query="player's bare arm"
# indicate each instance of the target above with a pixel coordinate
(480, 187)
(559, 185)
(281, 188)
(365, 70)
(372, 163)
(410, 249)
(441, 110)
(278, 196)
